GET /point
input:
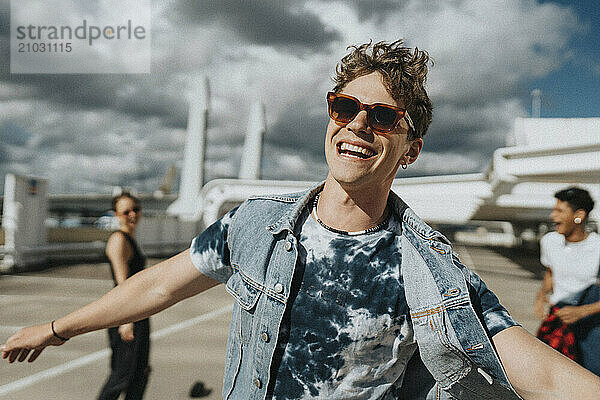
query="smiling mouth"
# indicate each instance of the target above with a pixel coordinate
(354, 151)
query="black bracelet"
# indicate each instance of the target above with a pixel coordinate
(56, 335)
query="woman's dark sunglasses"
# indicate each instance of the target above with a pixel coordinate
(381, 118)
(134, 209)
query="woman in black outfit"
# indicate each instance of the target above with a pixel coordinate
(130, 343)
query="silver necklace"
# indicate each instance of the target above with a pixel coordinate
(377, 227)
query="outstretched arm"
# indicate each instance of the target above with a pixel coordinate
(140, 296)
(538, 372)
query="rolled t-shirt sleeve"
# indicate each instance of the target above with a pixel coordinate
(495, 316)
(209, 250)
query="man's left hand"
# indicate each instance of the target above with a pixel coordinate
(126, 332)
(571, 314)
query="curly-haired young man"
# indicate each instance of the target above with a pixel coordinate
(571, 255)
(341, 291)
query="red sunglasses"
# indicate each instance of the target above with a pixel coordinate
(381, 118)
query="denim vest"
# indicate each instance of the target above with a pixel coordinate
(453, 343)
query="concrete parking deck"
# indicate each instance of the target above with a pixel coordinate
(188, 341)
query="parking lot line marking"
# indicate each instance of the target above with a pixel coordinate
(46, 279)
(53, 372)
(6, 298)
(191, 322)
(94, 357)
(10, 328)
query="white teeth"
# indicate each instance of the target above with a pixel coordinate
(356, 149)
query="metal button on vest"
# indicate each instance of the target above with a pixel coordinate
(278, 288)
(257, 383)
(265, 337)
(288, 245)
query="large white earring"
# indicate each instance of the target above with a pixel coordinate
(577, 220)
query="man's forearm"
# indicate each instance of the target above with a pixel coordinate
(538, 372)
(591, 309)
(130, 301)
(144, 294)
(139, 297)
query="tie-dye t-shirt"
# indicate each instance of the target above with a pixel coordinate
(346, 335)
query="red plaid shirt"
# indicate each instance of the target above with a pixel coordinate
(558, 335)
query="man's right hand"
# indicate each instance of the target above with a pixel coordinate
(30, 341)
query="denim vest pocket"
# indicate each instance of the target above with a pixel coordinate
(246, 297)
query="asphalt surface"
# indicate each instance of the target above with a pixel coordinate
(188, 339)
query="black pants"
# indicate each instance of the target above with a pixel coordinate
(129, 364)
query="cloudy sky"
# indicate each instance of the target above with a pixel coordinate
(89, 132)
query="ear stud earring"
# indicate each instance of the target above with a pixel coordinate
(577, 220)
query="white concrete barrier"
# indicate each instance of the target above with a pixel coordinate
(26, 245)
(163, 235)
(25, 210)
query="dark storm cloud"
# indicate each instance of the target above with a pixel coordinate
(84, 91)
(53, 143)
(379, 9)
(273, 22)
(144, 97)
(148, 169)
(92, 92)
(451, 140)
(445, 138)
(4, 38)
(12, 134)
(294, 165)
(4, 157)
(297, 128)
(4, 57)
(4, 18)
(148, 99)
